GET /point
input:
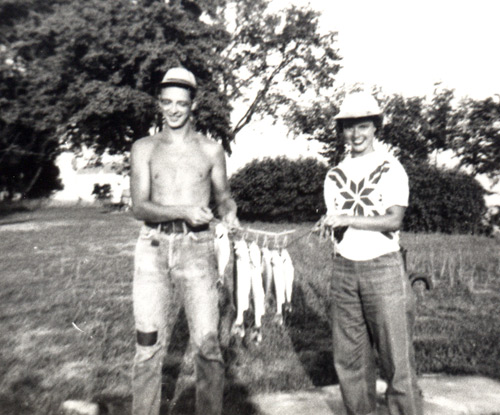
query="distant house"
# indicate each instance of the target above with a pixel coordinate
(79, 180)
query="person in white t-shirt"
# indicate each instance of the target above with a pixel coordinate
(373, 306)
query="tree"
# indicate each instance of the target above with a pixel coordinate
(405, 127)
(273, 59)
(441, 120)
(477, 140)
(413, 128)
(316, 122)
(85, 73)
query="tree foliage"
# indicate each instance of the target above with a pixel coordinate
(273, 58)
(415, 128)
(85, 73)
(477, 140)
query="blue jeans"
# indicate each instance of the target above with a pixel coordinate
(373, 306)
(187, 263)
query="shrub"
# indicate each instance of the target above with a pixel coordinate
(280, 189)
(444, 201)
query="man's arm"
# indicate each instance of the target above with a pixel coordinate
(140, 191)
(391, 221)
(226, 206)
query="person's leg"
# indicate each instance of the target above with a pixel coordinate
(196, 274)
(150, 297)
(352, 350)
(389, 306)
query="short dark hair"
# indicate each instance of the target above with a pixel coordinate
(376, 119)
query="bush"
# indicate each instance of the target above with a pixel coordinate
(280, 189)
(444, 201)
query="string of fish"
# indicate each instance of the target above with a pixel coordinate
(262, 260)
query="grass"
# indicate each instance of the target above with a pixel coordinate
(66, 325)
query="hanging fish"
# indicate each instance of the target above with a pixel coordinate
(267, 271)
(279, 283)
(289, 274)
(243, 284)
(257, 287)
(222, 249)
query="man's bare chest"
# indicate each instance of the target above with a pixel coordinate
(180, 165)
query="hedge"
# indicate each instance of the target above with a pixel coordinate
(281, 189)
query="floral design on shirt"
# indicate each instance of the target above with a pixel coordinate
(358, 197)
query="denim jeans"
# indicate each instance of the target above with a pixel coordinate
(373, 306)
(164, 263)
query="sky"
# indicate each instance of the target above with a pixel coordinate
(400, 46)
(407, 46)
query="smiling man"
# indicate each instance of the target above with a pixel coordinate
(373, 305)
(172, 174)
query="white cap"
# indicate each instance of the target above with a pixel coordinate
(358, 105)
(179, 76)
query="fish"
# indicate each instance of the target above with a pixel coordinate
(222, 247)
(267, 271)
(289, 274)
(257, 287)
(243, 284)
(279, 283)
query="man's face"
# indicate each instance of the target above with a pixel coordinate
(176, 105)
(359, 134)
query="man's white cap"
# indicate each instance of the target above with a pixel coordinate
(179, 76)
(358, 105)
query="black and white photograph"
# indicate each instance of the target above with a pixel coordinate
(249, 207)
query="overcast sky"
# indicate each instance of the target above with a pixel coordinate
(407, 46)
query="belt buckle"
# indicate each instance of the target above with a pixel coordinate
(178, 226)
(166, 227)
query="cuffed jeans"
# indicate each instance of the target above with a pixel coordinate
(373, 306)
(187, 263)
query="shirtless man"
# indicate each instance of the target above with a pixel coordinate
(172, 174)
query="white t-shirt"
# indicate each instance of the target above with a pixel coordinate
(366, 186)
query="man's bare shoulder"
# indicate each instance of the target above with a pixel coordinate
(211, 147)
(145, 145)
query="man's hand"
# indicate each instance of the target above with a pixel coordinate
(230, 220)
(197, 216)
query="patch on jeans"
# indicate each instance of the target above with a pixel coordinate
(147, 339)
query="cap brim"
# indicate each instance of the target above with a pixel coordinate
(178, 82)
(354, 116)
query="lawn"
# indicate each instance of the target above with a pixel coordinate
(66, 326)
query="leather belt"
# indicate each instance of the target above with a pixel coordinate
(176, 226)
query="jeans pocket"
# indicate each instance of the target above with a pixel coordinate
(146, 259)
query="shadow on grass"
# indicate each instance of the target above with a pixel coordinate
(11, 208)
(236, 395)
(311, 337)
(235, 402)
(178, 389)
